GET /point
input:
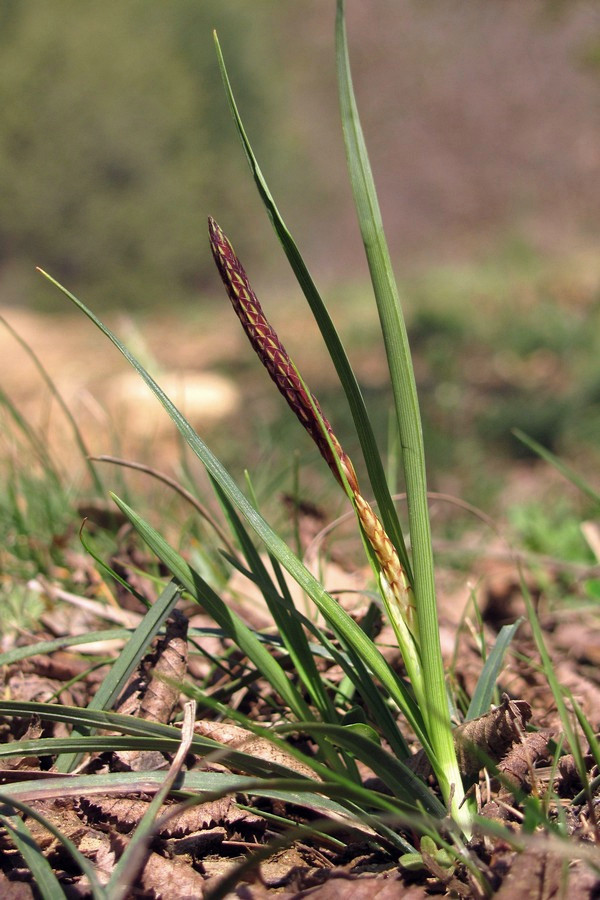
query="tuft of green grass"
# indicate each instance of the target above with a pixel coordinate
(424, 701)
(374, 714)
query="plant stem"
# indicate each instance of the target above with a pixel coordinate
(406, 402)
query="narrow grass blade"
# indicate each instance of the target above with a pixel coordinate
(378, 709)
(409, 425)
(339, 620)
(486, 683)
(335, 348)
(48, 381)
(126, 662)
(35, 859)
(34, 441)
(406, 786)
(131, 862)
(104, 567)
(559, 465)
(44, 878)
(555, 686)
(91, 743)
(243, 636)
(594, 745)
(46, 647)
(288, 626)
(296, 791)
(136, 648)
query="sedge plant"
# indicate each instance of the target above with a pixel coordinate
(358, 719)
(343, 729)
(408, 591)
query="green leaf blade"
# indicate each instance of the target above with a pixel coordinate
(409, 425)
(335, 347)
(486, 683)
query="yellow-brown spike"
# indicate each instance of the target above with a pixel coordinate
(387, 557)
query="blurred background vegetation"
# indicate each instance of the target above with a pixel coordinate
(483, 124)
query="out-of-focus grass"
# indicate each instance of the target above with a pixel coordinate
(510, 341)
(550, 530)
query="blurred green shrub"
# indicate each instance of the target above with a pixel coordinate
(112, 142)
(503, 347)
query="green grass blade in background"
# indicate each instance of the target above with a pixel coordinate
(569, 732)
(48, 381)
(594, 746)
(559, 465)
(409, 424)
(362, 423)
(133, 651)
(45, 647)
(103, 566)
(487, 681)
(44, 877)
(35, 442)
(243, 636)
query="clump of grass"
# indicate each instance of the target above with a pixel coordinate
(406, 584)
(369, 720)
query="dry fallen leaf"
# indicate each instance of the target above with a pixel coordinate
(534, 874)
(124, 813)
(246, 742)
(161, 698)
(488, 737)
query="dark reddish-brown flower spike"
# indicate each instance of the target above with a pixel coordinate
(285, 375)
(274, 355)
